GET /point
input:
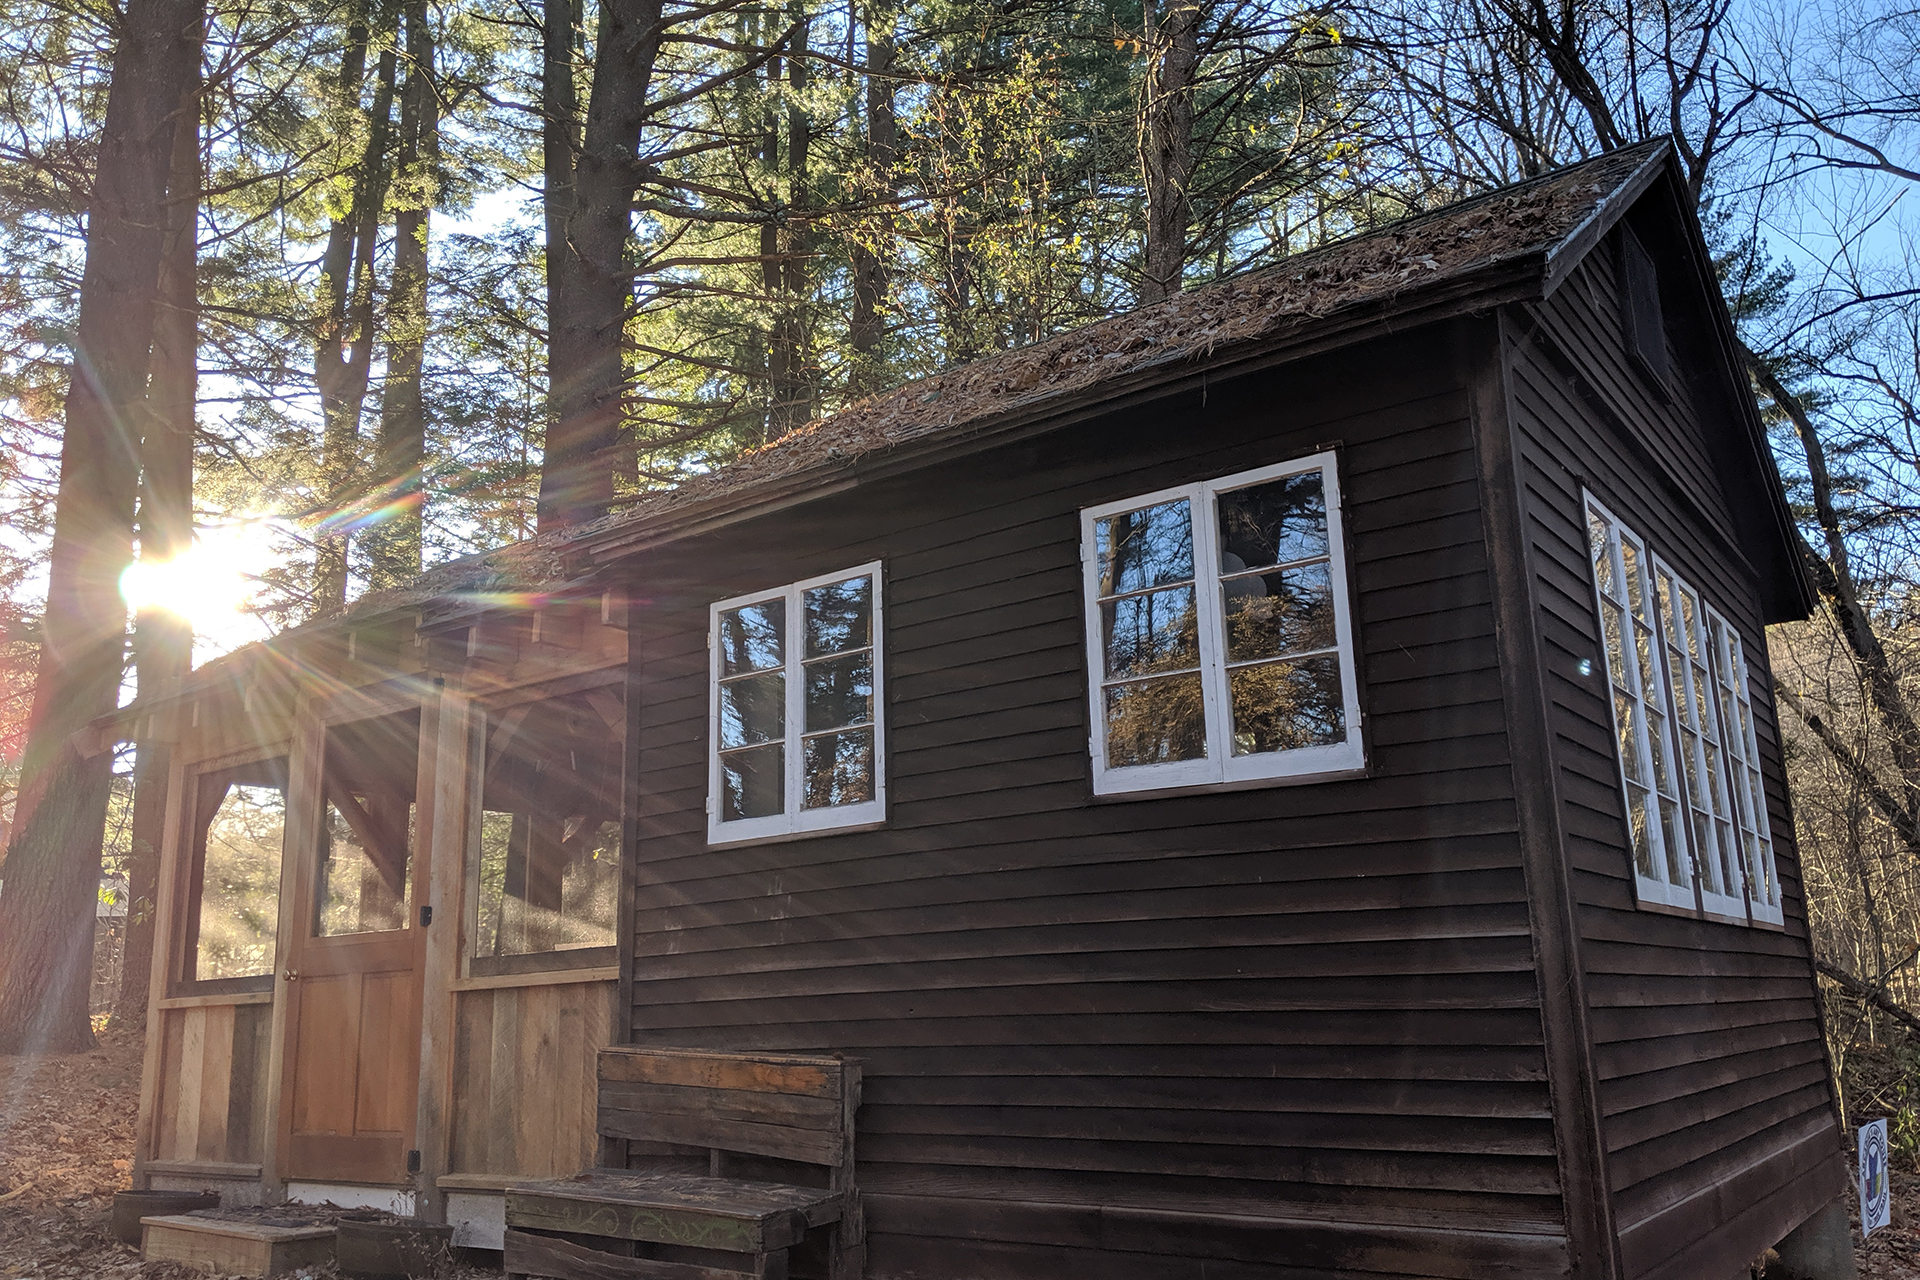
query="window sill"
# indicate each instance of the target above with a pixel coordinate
(783, 837)
(540, 978)
(1242, 784)
(215, 1000)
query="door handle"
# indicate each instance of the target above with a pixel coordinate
(291, 974)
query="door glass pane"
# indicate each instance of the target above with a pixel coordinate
(365, 881)
(235, 909)
(549, 830)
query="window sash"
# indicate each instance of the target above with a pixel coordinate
(1719, 871)
(1700, 678)
(1220, 765)
(795, 819)
(1732, 685)
(1646, 751)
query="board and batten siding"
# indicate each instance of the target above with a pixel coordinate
(1717, 1113)
(1286, 1031)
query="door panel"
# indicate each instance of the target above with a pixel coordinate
(354, 970)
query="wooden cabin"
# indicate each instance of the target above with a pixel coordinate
(1281, 783)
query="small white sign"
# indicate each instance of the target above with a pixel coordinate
(1876, 1201)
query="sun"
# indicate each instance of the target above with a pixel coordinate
(212, 584)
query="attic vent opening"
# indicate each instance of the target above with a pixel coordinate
(1640, 302)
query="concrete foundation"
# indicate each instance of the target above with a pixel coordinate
(1821, 1248)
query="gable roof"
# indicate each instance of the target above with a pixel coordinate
(1508, 245)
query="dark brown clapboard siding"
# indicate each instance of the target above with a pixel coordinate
(1706, 1035)
(1308, 1000)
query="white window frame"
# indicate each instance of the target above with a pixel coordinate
(1220, 767)
(1730, 901)
(1742, 752)
(1756, 898)
(796, 821)
(1633, 684)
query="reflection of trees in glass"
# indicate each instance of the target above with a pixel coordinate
(1281, 706)
(1151, 547)
(240, 884)
(1156, 721)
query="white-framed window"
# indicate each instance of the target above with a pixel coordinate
(1683, 725)
(1220, 640)
(1735, 704)
(797, 738)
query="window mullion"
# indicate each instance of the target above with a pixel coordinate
(1214, 688)
(1683, 771)
(796, 702)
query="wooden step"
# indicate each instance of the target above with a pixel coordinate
(529, 1253)
(671, 1208)
(234, 1248)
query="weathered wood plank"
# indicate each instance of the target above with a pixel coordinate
(819, 1078)
(694, 1212)
(530, 1254)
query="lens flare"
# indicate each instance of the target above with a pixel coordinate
(211, 584)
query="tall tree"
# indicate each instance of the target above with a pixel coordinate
(866, 327)
(345, 335)
(1166, 145)
(162, 638)
(394, 536)
(53, 860)
(586, 316)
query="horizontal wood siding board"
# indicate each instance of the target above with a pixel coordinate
(1707, 1037)
(1319, 991)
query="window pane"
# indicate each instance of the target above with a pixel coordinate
(753, 783)
(1152, 547)
(839, 769)
(1271, 614)
(365, 882)
(839, 616)
(752, 638)
(1642, 838)
(1598, 541)
(549, 834)
(753, 709)
(1273, 523)
(1156, 721)
(839, 691)
(1279, 706)
(366, 863)
(1152, 633)
(239, 906)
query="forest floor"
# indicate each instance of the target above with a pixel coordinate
(66, 1145)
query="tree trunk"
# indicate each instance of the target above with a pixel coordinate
(343, 356)
(1166, 148)
(394, 537)
(789, 363)
(867, 326)
(162, 639)
(560, 147)
(53, 863)
(586, 319)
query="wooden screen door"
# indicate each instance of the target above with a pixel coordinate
(353, 1015)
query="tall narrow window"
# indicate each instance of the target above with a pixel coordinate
(1621, 575)
(233, 895)
(1683, 628)
(1730, 679)
(798, 743)
(1219, 635)
(547, 842)
(1679, 684)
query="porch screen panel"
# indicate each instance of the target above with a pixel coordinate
(547, 843)
(234, 908)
